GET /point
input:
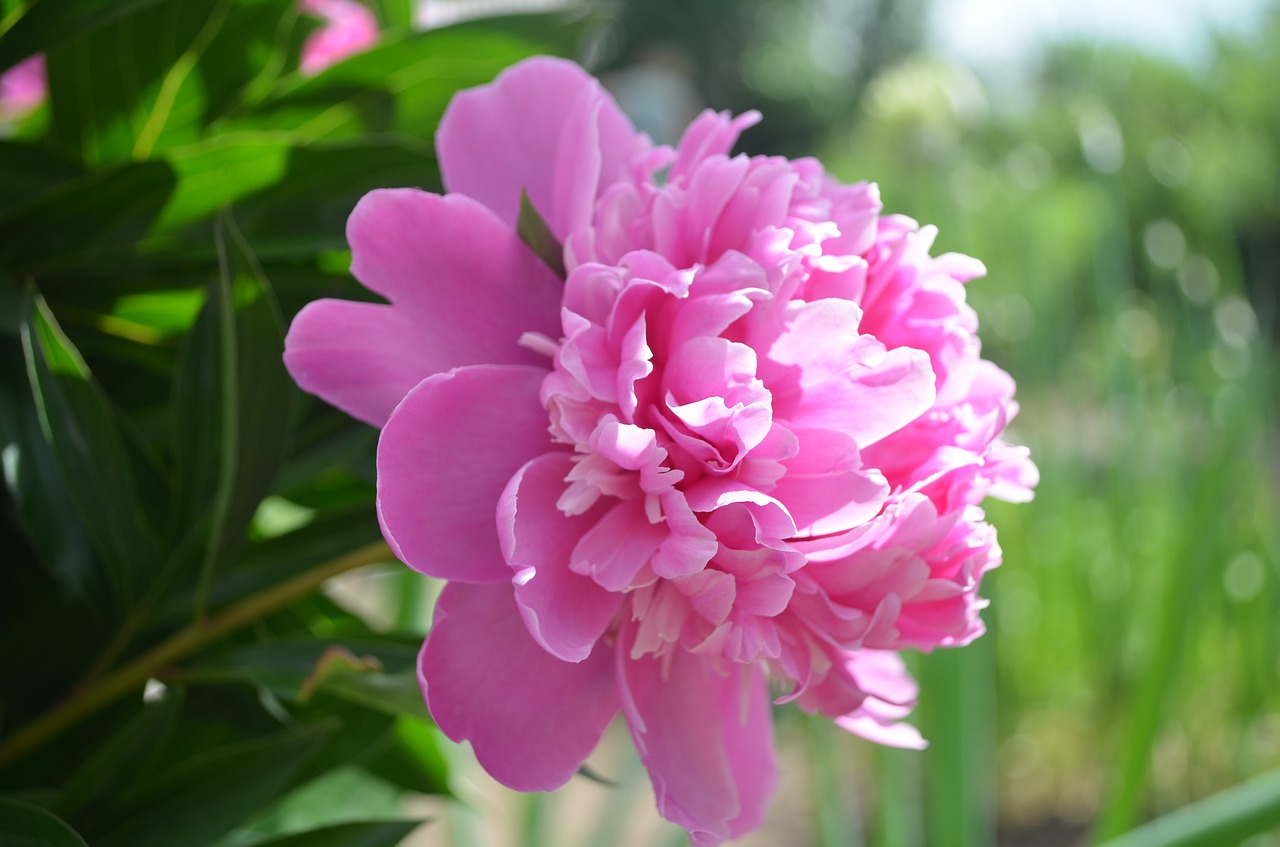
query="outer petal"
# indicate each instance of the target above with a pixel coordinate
(566, 612)
(891, 694)
(361, 357)
(444, 459)
(530, 717)
(545, 126)
(705, 732)
(463, 289)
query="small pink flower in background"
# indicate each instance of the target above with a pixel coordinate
(349, 28)
(734, 458)
(22, 88)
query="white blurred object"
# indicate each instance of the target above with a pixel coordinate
(433, 14)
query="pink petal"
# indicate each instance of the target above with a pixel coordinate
(469, 282)
(846, 382)
(361, 357)
(444, 459)
(891, 694)
(530, 717)
(704, 731)
(566, 613)
(350, 27)
(614, 550)
(544, 126)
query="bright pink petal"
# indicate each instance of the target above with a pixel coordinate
(444, 459)
(464, 275)
(361, 357)
(704, 731)
(530, 717)
(891, 694)
(844, 381)
(566, 612)
(544, 126)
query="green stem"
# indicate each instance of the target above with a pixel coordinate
(133, 676)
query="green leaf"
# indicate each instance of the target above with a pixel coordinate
(366, 834)
(283, 666)
(94, 789)
(394, 694)
(534, 231)
(306, 210)
(210, 794)
(44, 506)
(215, 172)
(401, 85)
(27, 171)
(411, 758)
(48, 23)
(24, 825)
(1230, 817)
(394, 14)
(128, 88)
(89, 448)
(233, 403)
(85, 221)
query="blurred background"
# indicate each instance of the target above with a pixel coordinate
(1116, 166)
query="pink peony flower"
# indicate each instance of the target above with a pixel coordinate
(350, 27)
(735, 457)
(22, 88)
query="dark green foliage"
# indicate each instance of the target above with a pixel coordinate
(181, 195)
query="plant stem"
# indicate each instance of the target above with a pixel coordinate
(134, 675)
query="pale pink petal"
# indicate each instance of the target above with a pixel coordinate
(703, 729)
(544, 126)
(438, 512)
(565, 612)
(530, 717)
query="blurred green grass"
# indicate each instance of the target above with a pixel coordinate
(1128, 214)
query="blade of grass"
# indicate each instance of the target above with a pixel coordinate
(835, 805)
(1160, 674)
(1222, 820)
(957, 717)
(898, 811)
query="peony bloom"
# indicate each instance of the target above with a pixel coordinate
(22, 88)
(349, 28)
(733, 457)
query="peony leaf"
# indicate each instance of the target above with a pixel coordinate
(85, 220)
(363, 834)
(207, 795)
(49, 23)
(24, 825)
(85, 437)
(156, 77)
(94, 787)
(534, 231)
(233, 404)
